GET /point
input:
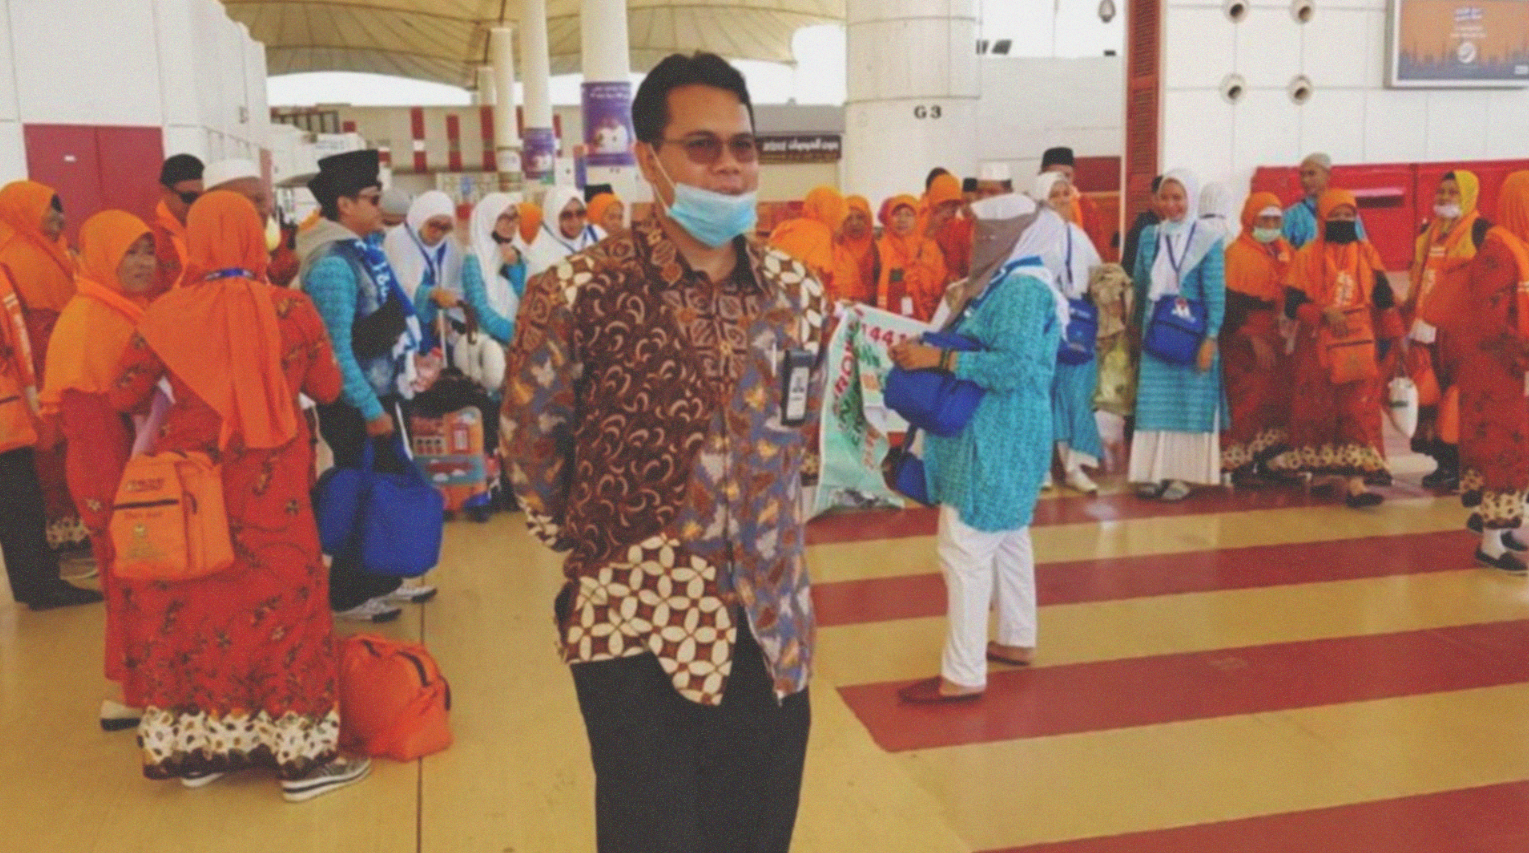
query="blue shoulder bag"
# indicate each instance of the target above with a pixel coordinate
(1178, 325)
(1082, 338)
(396, 519)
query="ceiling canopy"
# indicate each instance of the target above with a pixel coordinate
(445, 41)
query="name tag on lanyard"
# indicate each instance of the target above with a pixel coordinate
(796, 378)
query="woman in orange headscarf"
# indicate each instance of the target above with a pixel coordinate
(1440, 271)
(237, 668)
(912, 278)
(34, 253)
(952, 233)
(858, 240)
(1254, 366)
(1346, 308)
(810, 238)
(119, 274)
(608, 212)
(1491, 333)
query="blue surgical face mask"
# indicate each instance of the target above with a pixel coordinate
(1266, 235)
(711, 217)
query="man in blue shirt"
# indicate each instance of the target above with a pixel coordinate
(1301, 218)
(374, 331)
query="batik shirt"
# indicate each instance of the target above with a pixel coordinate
(643, 427)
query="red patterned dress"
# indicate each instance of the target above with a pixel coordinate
(238, 669)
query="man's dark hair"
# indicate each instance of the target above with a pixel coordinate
(968, 185)
(934, 173)
(178, 168)
(650, 109)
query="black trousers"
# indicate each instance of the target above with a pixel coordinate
(344, 430)
(29, 562)
(672, 776)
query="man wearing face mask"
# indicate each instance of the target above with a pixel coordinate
(666, 460)
(245, 178)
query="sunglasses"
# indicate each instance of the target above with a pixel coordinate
(187, 197)
(705, 149)
(500, 241)
(572, 214)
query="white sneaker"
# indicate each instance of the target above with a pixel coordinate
(411, 594)
(331, 777)
(1081, 482)
(1049, 483)
(116, 716)
(201, 780)
(373, 610)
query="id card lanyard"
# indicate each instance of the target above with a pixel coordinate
(1178, 263)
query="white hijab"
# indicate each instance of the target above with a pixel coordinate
(1079, 256)
(1045, 237)
(411, 259)
(1183, 242)
(550, 246)
(480, 232)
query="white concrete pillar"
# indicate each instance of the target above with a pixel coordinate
(501, 51)
(607, 95)
(484, 96)
(536, 76)
(913, 89)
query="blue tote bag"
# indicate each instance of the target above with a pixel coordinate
(396, 519)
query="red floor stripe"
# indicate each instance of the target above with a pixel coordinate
(917, 596)
(860, 525)
(1200, 685)
(1490, 819)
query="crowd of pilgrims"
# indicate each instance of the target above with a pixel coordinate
(1304, 330)
(193, 331)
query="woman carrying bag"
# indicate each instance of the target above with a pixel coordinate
(237, 668)
(987, 477)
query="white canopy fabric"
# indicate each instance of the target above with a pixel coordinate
(446, 41)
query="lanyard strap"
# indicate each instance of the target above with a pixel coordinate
(231, 272)
(1178, 263)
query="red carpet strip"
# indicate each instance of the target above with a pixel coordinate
(916, 596)
(1200, 685)
(860, 525)
(1490, 819)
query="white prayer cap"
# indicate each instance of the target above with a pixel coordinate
(1318, 159)
(994, 172)
(224, 171)
(1271, 210)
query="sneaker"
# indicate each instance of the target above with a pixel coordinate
(1151, 491)
(201, 780)
(1443, 478)
(374, 610)
(1511, 542)
(1507, 563)
(116, 717)
(331, 777)
(1176, 491)
(1079, 481)
(411, 594)
(1475, 523)
(1363, 500)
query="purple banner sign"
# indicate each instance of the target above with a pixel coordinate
(608, 133)
(540, 148)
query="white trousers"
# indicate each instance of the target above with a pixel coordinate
(979, 566)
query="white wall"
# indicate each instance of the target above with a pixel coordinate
(1031, 104)
(1053, 28)
(181, 65)
(1351, 115)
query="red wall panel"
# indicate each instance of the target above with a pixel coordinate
(95, 168)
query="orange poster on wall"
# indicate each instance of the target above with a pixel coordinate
(1459, 43)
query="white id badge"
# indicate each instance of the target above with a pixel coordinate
(796, 378)
(907, 306)
(1423, 333)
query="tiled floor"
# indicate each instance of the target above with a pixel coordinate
(1241, 673)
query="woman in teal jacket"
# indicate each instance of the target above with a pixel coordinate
(987, 478)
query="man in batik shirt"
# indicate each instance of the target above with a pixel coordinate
(662, 386)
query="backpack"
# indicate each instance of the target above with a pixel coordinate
(169, 522)
(394, 701)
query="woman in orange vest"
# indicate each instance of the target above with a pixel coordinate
(912, 278)
(237, 668)
(118, 277)
(1255, 369)
(1440, 278)
(1345, 305)
(1493, 335)
(35, 254)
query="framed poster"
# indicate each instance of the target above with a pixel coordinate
(1437, 44)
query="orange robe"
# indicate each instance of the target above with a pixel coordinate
(1259, 400)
